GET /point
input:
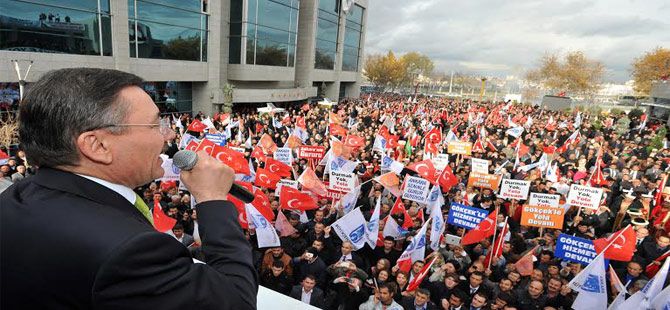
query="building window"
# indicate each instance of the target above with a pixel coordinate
(352, 39)
(326, 34)
(168, 29)
(265, 34)
(55, 26)
(170, 96)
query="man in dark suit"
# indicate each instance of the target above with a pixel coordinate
(96, 135)
(184, 238)
(421, 300)
(308, 293)
(347, 254)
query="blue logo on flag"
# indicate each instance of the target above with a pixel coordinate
(371, 224)
(592, 284)
(259, 221)
(433, 195)
(422, 242)
(386, 162)
(357, 234)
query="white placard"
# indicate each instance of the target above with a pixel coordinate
(440, 161)
(286, 182)
(170, 171)
(585, 196)
(544, 200)
(514, 189)
(416, 189)
(480, 165)
(285, 155)
(342, 181)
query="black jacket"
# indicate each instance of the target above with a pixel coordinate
(112, 258)
(315, 300)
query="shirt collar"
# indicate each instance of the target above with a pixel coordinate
(124, 191)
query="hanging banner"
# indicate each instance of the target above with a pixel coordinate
(483, 180)
(342, 181)
(514, 189)
(284, 154)
(311, 151)
(459, 147)
(440, 161)
(585, 196)
(543, 210)
(416, 189)
(575, 249)
(479, 165)
(465, 216)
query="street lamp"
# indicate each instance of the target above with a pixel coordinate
(22, 81)
(481, 90)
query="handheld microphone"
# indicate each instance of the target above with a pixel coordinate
(186, 160)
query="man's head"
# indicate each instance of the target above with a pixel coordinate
(80, 119)
(277, 267)
(663, 241)
(421, 296)
(385, 293)
(178, 230)
(389, 243)
(505, 285)
(479, 300)
(417, 266)
(535, 288)
(634, 268)
(277, 252)
(347, 247)
(308, 283)
(476, 278)
(457, 298)
(554, 285)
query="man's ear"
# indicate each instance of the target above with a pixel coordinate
(94, 146)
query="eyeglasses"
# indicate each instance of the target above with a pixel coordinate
(164, 126)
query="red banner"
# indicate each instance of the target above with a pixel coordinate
(311, 151)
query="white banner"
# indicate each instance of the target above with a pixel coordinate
(265, 232)
(416, 189)
(514, 189)
(480, 165)
(440, 161)
(170, 171)
(342, 181)
(585, 196)
(285, 155)
(286, 182)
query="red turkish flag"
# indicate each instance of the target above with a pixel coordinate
(196, 126)
(206, 145)
(384, 132)
(277, 167)
(192, 146)
(392, 141)
(418, 278)
(424, 168)
(483, 230)
(232, 159)
(525, 264)
(311, 182)
(491, 146)
(399, 207)
(354, 141)
(447, 179)
(293, 199)
(258, 153)
(337, 130)
(496, 250)
(262, 204)
(267, 179)
(478, 147)
(652, 269)
(434, 135)
(300, 122)
(430, 148)
(162, 222)
(623, 245)
(598, 178)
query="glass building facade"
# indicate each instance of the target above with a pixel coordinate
(264, 34)
(56, 26)
(326, 34)
(352, 39)
(168, 29)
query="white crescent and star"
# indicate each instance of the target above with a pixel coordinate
(263, 178)
(290, 203)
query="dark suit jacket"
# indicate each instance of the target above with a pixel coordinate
(408, 304)
(315, 300)
(70, 243)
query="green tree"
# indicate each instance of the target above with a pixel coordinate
(649, 67)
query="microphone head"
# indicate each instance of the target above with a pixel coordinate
(185, 160)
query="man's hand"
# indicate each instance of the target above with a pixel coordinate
(445, 304)
(209, 179)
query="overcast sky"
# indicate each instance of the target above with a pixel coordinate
(493, 37)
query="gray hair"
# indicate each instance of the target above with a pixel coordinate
(63, 104)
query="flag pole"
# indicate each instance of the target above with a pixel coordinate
(495, 246)
(495, 230)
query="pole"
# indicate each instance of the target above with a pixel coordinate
(495, 230)
(451, 81)
(481, 90)
(497, 246)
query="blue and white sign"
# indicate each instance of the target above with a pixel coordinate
(464, 216)
(575, 249)
(217, 138)
(416, 189)
(285, 155)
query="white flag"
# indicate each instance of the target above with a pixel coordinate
(392, 229)
(372, 228)
(437, 228)
(529, 122)
(451, 136)
(351, 227)
(552, 174)
(510, 123)
(348, 201)
(590, 284)
(380, 144)
(265, 232)
(389, 164)
(515, 132)
(177, 122)
(662, 300)
(416, 249)
(208, 123)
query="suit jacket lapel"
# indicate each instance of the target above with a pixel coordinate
(85, 188)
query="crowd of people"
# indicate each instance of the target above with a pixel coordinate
(625, 156)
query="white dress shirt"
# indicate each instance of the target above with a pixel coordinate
(306, 296)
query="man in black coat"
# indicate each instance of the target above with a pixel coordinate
(96, 135)
(308, 293)
(421, 300)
